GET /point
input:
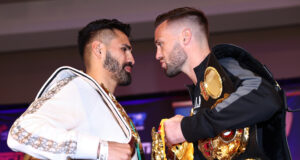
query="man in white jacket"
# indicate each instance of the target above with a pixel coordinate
(75, 114)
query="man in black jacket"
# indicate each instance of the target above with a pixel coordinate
(181, 38)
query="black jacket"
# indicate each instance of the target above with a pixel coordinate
(257, 100)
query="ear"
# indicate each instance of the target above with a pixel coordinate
(98, 48)
(186, 36)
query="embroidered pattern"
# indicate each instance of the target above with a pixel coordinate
(128, 120)
(40, 101)
(43, 144)
(24, 137)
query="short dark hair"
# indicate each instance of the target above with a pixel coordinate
(88, 32)
(183, 12)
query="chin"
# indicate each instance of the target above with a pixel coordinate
(124, 78)
(124, 83)
(172, 74)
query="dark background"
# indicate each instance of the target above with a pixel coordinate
(147, 110)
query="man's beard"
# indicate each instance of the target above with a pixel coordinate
(176, 60)
(122, 77)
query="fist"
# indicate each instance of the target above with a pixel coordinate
(173, 133)
(119, 151)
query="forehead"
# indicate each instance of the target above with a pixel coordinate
(162, 31)
(119, 38)
(120, 35)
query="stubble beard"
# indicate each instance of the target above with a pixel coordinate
(122, 77)
(176, 60)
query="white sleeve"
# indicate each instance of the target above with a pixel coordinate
(46, 129)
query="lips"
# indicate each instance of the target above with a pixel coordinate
(163, 65)
(127, 69)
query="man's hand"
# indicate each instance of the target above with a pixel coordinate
(119, 151)
(173, 133)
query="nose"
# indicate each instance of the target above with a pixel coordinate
(158, 55)
(130, 58)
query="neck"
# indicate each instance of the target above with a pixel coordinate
(195, 58)
(101, 77)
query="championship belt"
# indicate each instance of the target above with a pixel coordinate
(215, 87)
(183, 151)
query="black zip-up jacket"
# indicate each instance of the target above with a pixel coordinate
(256, 101)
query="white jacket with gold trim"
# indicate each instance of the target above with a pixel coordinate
(68, 118)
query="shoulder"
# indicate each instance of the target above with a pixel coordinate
(74, 87)
(65, 80)
(234, 67)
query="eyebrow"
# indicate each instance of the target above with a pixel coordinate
(127, 46)
(157, 41)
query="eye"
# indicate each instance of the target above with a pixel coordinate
(124, 49)
(159, 44)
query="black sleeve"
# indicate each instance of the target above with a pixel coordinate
(254, 101)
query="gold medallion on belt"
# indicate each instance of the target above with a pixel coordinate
(212, 85)
(228, 143)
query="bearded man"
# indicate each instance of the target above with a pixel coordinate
(75, 114)
(231, 92)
